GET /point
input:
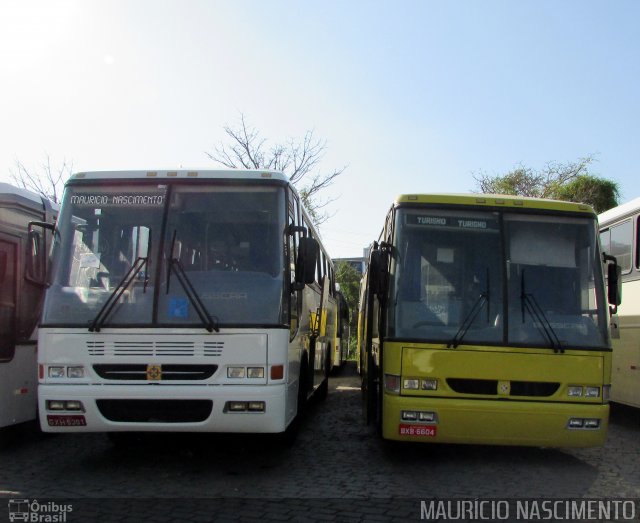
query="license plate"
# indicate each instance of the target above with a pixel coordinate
(66, 421)
(428, 431)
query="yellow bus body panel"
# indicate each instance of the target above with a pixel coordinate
(528, 404)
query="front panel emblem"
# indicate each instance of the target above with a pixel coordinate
(154, 372)
(504, 388)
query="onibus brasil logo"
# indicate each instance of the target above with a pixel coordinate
(38, 512)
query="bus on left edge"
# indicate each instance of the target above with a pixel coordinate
(21, 289)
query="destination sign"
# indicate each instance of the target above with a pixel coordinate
(425, 220)
(118, 200)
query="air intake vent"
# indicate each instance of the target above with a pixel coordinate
(134, 347)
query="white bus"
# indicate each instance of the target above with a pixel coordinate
(619, 229)
(184, 301)
(21, 289)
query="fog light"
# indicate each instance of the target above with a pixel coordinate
(255, 372)
(256, 406)
(574, 392)
(576, 423)
(409, 415)
(56, 372)
(430, 384)
(411, 384)
(55, 405)
(592, 392)
(74, 405)
(237, 406)
(392, 383)
(427, 416)
(235, 372)
(75, 372)
(592, 424)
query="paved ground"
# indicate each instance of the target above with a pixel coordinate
(337, 470)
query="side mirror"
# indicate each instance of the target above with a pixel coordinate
(36, 259)
(614, 288)
(308, 250)
(378, 269)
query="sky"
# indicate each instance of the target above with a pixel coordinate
(410, 96)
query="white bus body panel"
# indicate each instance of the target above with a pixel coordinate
(233, 347)
(625, 365)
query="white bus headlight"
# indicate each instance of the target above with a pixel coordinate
(56, 372)
(75, 372)
(255, 372)
(235, 372)
(410, 384)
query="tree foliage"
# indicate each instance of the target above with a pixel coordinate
(349, 280)
(562, 181)
(48, 181)
(298, 159)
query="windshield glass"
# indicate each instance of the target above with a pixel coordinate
(160, 252)
(451, 272)
(228, 242)
(552, 266)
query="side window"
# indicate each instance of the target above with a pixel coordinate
(621, 240)
(293, 218)
(7, 299)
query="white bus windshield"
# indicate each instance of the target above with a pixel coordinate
(496, 279)
(162, 252)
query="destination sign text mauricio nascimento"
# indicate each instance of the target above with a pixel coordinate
(118, 200)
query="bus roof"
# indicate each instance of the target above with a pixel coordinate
(618, 212)
(494, 200)
(225, 174)
(11, 194)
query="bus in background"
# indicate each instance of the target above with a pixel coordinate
(619, 237)
(485, 321)
(21, 289)
(341, 345)
(184, 301)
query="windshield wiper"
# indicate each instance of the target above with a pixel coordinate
(471, 316)
(210, 322)
(120, 289)
(530, 304)
(482, 300)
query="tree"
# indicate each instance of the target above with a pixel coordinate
(349, 280)
(299, 160)
(562, 181)
(48, 182)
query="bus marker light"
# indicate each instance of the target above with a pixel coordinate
(392, 383)
(256, 406)
(277, 372)
(74, 405)
(430, 384)
(592, 392)
(255, 372)
(235, 372)
(236, 406)
(606, 390)
(409, 415)
(574, 392)
(427, 416)
(411, 384)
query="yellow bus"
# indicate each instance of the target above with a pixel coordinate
(619, 237)
(485, 321)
